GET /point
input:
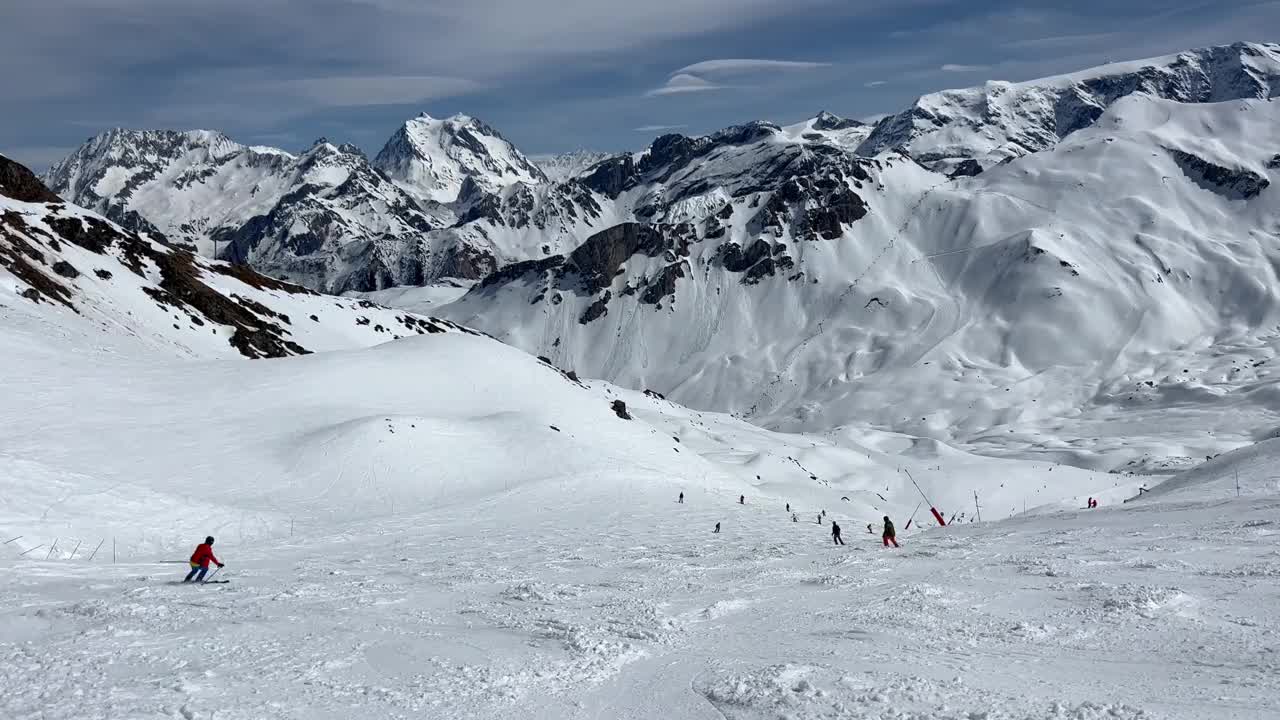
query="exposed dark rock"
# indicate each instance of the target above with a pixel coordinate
(827, 121)
(599, 259)
(839, 207)
(734, 259)
(465, 261)
(17, 256)
(103, 274)
(967, 168)
(664, 284)
(620, 409)
(1236, 184)
(611, 177)
(19, 183)
(254, 337)
(1274, 163)
(66, 270)
(597, 309)
(518, 270)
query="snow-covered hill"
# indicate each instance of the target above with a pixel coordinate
(969, 130)
(443, 526)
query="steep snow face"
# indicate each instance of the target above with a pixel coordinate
(431, 158)
(324, 219)
(1107, 271)
(1003, 120)
(342, 226)
(568, 165)
(76, 274)
(183, 185)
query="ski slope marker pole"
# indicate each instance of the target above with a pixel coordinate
(937, 515)
(73, 552)
(913, 517)
(95, 550)
(6, 542)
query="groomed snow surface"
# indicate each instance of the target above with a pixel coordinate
(444, 527)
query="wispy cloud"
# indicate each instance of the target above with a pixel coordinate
(743, 65)
(684, 83)
(954, 68)
(658, 128)
(876, 83)
(712, 74)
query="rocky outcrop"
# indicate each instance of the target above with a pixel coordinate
(827, 121)
(1232, 183)
(19, 183)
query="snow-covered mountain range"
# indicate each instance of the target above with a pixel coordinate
(76, 273)
(1082, 238)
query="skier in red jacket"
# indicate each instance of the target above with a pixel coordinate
(200, 560)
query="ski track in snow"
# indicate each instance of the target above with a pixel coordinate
(634, 609)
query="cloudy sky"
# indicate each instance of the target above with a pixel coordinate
(552, 75)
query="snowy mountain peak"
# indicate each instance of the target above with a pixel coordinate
(569, 164)
(830, 121)
(979, 127)
(430, 158)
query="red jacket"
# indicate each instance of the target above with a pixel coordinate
(204, 555)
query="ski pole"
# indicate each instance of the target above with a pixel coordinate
(215, 572)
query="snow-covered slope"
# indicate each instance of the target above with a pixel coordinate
(1000, 120)
(807, 289)
(76, 274)
(445, 527)
(570, 164)
(432, 158)
(184, 185)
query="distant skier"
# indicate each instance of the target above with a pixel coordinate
(835, 533)
(788, 507)
(681, 498)
(890, 535)
(795, 517)
(1093, 503)
(819, 518)
(742, 499)
(717, 530)
(200, 560)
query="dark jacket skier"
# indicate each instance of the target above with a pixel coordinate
(681, 498)
(742, 499)
(717, 528)
(200, 560)
(835, 533)
(890, 535)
